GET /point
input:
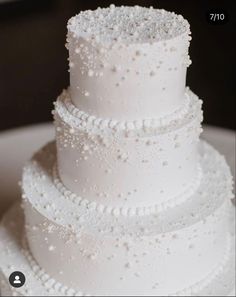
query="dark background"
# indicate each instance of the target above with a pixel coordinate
(33, 58)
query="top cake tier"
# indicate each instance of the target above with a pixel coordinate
(128, 63)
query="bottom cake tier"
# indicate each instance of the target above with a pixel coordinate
(15, 256)
(67, 246)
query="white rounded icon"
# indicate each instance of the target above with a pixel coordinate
(17, 280)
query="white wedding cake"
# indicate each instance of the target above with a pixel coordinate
(127, 201)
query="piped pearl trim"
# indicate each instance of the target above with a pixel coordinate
(78, 119)
(127, 211)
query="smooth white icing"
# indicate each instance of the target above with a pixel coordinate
(129, 211)
(39, 187)
(218, 283)
(128, 62)
(125, 165)
(128, 201)
(95, 245)
(104, 264)
(76, 118)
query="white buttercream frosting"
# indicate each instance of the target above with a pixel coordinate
(128, 63)
(97, 157)
(129, 211)
(128, 200)
(39, 283)
(78, 119)
(39, 187)
(99, 241)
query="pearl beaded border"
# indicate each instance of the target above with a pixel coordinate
(191, 109)
(127, 211)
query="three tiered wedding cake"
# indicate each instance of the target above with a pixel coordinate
(127, 201)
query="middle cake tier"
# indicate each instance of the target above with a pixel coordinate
(128, 163)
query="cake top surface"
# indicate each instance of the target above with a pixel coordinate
(128, 24)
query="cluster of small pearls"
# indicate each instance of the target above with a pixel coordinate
(121, 27)
(128, 24)
(89, 68)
